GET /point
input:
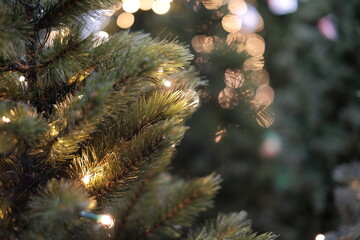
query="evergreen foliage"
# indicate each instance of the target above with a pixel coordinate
(88, 128)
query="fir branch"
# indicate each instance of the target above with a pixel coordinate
(60, 13)
(174, 204)
(14, 31)
(56, 209)
(19, 122)
(76, 117)
(67, 57)
(228, 226)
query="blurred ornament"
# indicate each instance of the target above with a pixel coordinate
(131, 6)
(125, 20)
(228, 98)
(95, 21)
(234, 78)
(327, 27)
(271, 145)
(283, 7)
(231, 23)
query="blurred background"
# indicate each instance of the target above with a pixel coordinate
(282, 105)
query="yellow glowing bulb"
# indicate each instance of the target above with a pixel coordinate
(125, 20)
(5, 119)
(131, 6)
(21, 78)
(86, 179)
(167, 83)
(146, 5)
(320, 237)
(106, 220)
(160, 7)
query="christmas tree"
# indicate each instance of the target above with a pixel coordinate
(88, 127)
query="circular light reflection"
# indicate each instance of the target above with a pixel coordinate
(231, 23)
(125, 20)
(131, 6)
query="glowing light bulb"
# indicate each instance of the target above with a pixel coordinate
(160, 7)
(320, 237)
(167, 83)
(131, 6)
(5, 119)
(106, 220)
(86, 179)
(125, 20)
(100, 37)
(22, 79)
(160, 70)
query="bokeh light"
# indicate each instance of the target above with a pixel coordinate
(125, 20)
(327, 27)
(320, 237)
(282, 7)
(146, 5)
(131, 6)
(237, 7)
(234, 78)
(251, 20)
(271, 145)
(265, 118)
(228, 98)
(231, 23)
(264, 95)
(259, 77)
(255, 45)
(202, 43)
(106, 220)
(212, 4)
(160, 6)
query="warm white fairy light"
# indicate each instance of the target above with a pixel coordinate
(5, 119)
(320, 237)
(131, 6)
(146, 5)
(86, 179)
(167, 83)
(106, 220)
(22, 79)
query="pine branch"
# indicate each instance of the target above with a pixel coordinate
(228, 226)
(174, 203)
(76, 117)
(19, 123)
(13, 31)
(56, 209)
(60, 13)
(68, 56)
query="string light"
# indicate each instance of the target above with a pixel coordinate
(105, 220)
(5, 119)
(86, 179)
(320, 237)
(167, 83)
(22, 79)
